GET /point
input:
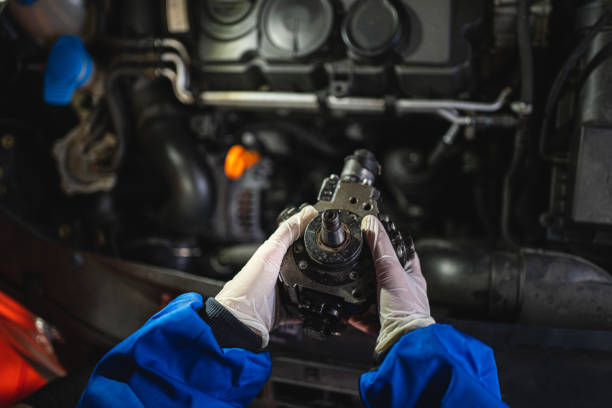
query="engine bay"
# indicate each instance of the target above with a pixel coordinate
(148, 147)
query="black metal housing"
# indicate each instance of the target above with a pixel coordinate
(328, 284)
(430, 52)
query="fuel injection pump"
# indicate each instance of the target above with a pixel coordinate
(328, 274)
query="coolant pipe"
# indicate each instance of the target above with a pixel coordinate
(533, 287)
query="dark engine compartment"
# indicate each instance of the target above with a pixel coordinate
(490, 119)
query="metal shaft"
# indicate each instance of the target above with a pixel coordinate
(332, 234)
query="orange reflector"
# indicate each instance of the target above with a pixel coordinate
(24, 349)
(237, 160)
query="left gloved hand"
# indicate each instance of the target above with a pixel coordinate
(251, 295)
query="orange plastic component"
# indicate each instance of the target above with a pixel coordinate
(238, 159)
(21, 344)
(17, 377)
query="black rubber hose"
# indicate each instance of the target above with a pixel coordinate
(559, 82)
(522, 133)
(117, 107)
(535, 287)
(520, 139)
(171, 149)
(117, 101)
(457, 276)
(165, 138)
(523, 34)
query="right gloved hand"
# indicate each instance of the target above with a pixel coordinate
(402, 291)
(251, 295)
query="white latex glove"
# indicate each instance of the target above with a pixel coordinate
(402, 291)
(251, 295)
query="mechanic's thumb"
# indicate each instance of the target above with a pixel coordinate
(273, 250)
(402, 294)
(386, 263)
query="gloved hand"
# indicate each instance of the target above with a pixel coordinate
(251, 295)
(402, 291)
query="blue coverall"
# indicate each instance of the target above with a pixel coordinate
(174, 360)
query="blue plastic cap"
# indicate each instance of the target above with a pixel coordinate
(27, 2)
(68, 67)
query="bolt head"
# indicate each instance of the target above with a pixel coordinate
(64, 231)
(522, 108)
(354, 275)
(77, 259)
(302, 265)
(7, 141)
(400, 252)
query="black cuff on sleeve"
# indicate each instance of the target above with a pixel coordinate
(229, 331)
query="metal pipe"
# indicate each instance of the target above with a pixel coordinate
(448, 139)
(144, 44)
(179, 79)
(451, 134)
(310, 102)
(175, 45)
(261, 100)
(453, 117)
(307, 101)
(356, 105)
(181, 94)
(433, 105)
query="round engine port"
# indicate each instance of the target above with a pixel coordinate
(297, 26)
(229, 12)
(228, 20)
(372, 27)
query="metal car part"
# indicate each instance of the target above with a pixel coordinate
(447, 109)
(178, 78)
(535, 287)
(446, 189)
(504, 23)
(462, 112)
(327, 275)
(304, 102)
(311, 102)
(80, 161)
